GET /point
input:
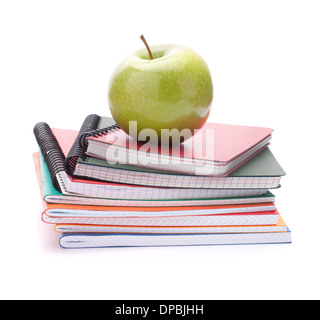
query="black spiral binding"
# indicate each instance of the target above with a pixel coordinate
(80, 145)
(96, 133)
(50, 150)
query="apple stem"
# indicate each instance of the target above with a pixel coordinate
(147, 46)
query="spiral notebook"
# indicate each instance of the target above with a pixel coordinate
(258, 216)
(51, 195)
(55, 159)
(262, 171)
(217, 149)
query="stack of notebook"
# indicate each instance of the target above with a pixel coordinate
(100, 188)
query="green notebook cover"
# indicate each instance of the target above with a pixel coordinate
(263, 164)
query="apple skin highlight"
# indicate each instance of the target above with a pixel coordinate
(172, 91)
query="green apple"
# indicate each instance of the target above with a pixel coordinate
(173, 90)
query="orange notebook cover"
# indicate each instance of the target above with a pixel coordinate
(70, 228)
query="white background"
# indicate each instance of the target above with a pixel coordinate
(56, 58)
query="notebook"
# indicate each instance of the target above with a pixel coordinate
(102, 240)
(263, 213)
(67, 210)
(54, 157)
(259, 214)
(51, 195)
(262, 171)
(234, 219)
(217, 149)
(85, 228)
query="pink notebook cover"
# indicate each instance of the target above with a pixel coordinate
(221, 143)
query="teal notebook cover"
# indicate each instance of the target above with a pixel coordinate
(47, 186)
